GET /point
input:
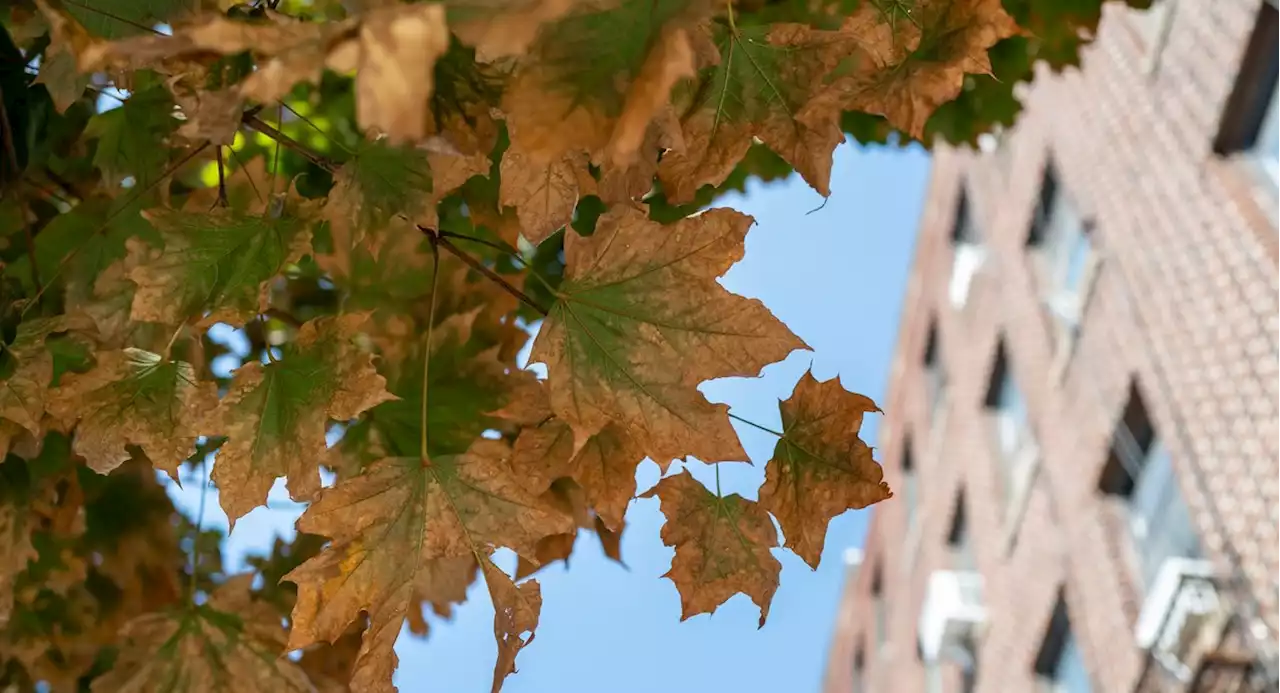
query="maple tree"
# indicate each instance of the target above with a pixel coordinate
(383, 197)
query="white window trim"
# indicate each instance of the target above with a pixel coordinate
(1155, 23)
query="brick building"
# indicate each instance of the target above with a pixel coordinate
(1082, 421)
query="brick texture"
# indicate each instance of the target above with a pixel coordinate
(1183, 299)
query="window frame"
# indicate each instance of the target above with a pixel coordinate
(1252, 107)
(968, 253)
(1140, 471)
(1060, 647)
(1062, 238)
(1015, 440)
(935, 371)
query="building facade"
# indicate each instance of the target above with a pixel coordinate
(1081, 429)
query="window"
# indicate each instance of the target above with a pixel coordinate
(910, 487)
(1060, 664)
(1249, 126)
(1060, 235)
(1015, 441)
(968, 253)
(958, 536)
(1139, 470)
(935, 372)
(859, 671)
(880, 617)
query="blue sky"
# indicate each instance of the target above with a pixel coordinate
(836, 277)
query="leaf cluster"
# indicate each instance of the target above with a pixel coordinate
(380, 201)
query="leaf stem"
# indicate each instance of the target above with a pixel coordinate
(275, 157)
(426, 356)
(317, 128)
(256, 123)
(502, 247)
(195, 541)
(173, 338)
(476, 265)
(735, 417)
(222, 180)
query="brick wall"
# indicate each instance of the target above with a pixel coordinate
(1183, 298)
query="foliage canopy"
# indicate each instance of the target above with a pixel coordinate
(382, 197)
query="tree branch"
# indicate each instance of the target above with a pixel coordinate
(256, 123)
(441, 241)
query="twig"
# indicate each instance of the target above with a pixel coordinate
(317, 128)
(508, 250)
(222, 180)
(256, 123)
(474, 264)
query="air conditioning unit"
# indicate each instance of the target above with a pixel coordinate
(1181, 602)
(952, 612)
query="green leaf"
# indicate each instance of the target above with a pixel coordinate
(641, 321)
(120, 18)
(465, 383)
(214, 265)
(379, 183)
(275, 415)
(132, 139)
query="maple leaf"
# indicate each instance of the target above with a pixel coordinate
(397, 48)
(502, 28)
(378, 184)
(638, 297)
(908, 68)
(215, 265)
(131, 138)
(763, 79)
(604, 467)
(544, 195)
(120, 18)
(133, 397)
(464, 383)
(22, 394)
(231, 643)
(516, 609)
(597, 76)
(274, 415)
(722, 546)
(15, 551)
(59, 75)
(389, 525)
(820, 467)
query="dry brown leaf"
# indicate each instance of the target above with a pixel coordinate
(504, 28)
(133, 397)
(274, 415)
(15, 551)
(389, 525)
(820, 467)
(516, 609)
(637, 298)
(213, 116)
(888, 81)
(763, 77)
(722, 546)
(230, 644)
(23, 393)
(544, 195)
(398, 48)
